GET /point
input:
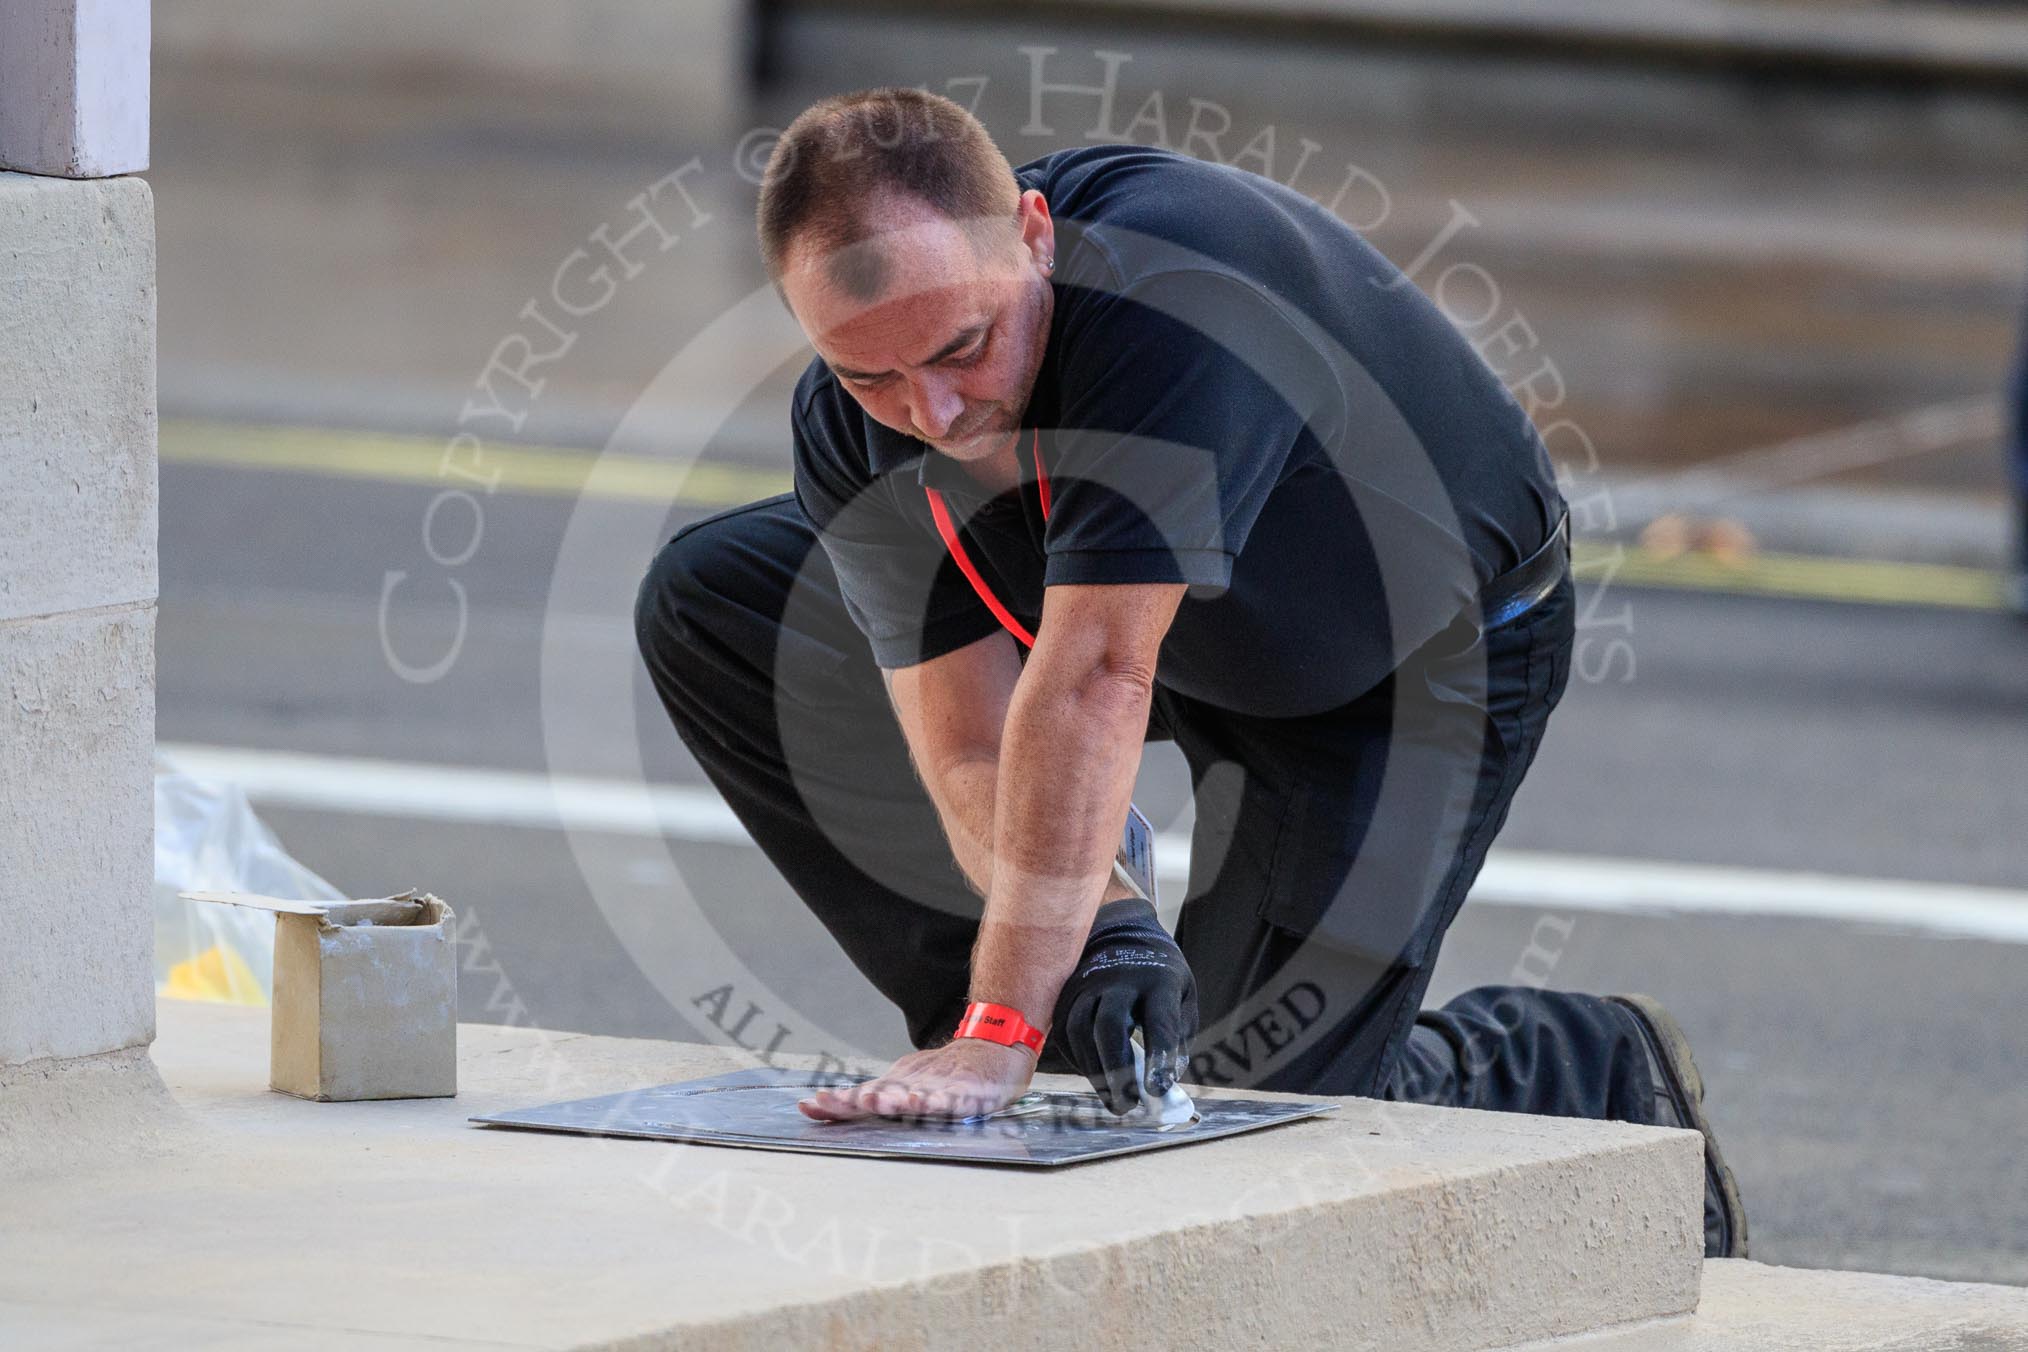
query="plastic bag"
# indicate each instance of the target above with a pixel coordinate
(208, 838)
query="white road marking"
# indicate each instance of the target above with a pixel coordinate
(1570, 882)
(452, 793)
(1554, 882)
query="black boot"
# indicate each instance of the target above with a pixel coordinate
(1679, 1100)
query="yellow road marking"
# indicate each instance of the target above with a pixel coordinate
(561, 472)
(392, 458)
(1795, 576)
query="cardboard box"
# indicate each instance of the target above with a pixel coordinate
(365, 996)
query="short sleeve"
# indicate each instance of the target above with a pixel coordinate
(1183, 397)
(897, 583)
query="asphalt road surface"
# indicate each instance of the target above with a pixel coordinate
(1867, 1083)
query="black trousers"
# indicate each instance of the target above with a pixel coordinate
(1329, 854)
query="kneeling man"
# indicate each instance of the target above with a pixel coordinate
(1120, 446)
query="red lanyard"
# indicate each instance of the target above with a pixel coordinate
(949, 531)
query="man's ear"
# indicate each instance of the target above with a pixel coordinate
(1038, 227)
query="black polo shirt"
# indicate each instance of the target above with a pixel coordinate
(1239, 393)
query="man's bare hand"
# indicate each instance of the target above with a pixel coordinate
(965, 1078)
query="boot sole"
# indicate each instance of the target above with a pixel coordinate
(1671, 1049)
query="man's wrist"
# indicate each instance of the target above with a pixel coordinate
(1117, 890)
(1004, 1025)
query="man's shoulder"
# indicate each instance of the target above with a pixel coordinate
(1130, 189)
(818, 385)
(1098, 184)
(828, 424)
(837, 452)
(827, 454)
(1084, 169)
(1127, 214)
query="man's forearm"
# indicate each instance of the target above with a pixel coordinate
(964, 792)
(950, 712)
(1069, 753)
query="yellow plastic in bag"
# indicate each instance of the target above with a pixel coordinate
(218, 974)
(207, 838)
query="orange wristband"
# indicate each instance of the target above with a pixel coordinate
(999, 1023)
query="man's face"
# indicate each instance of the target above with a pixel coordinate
(948, 347)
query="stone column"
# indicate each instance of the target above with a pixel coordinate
(77, 558)
(74, 87)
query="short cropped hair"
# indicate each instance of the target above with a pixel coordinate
(850, 153)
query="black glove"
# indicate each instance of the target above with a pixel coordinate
(1131, 975)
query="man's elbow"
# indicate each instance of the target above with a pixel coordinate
(1109, 638)
(1125, 679)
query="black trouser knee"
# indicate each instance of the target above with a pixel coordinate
(775, 693)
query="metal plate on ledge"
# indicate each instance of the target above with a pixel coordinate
(757, 1109)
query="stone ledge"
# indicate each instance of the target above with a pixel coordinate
(1749, 1307)
(77, 394)
(1382, 1226)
